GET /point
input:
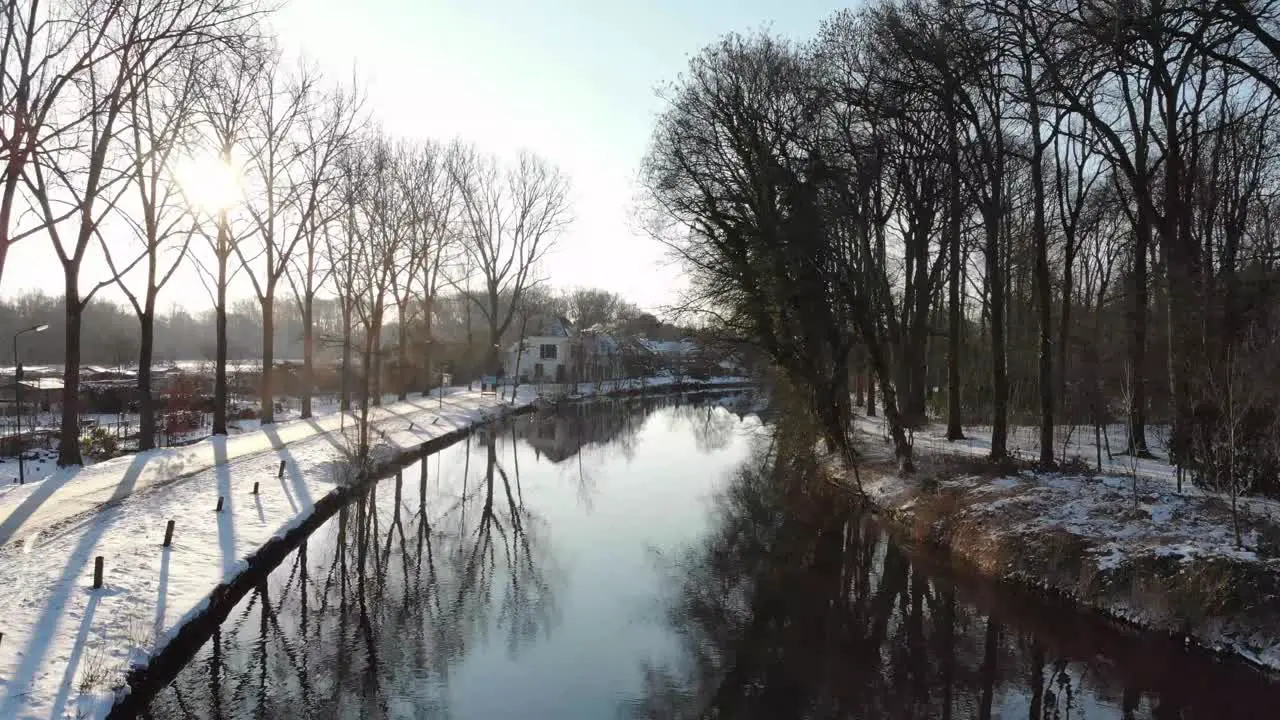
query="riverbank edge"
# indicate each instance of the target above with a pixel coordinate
(143, 681)
(1058, 568)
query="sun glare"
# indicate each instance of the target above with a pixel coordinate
(208, 183)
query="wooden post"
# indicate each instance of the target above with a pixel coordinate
(168, 534)
(219, 508)
(97, 573)
(255, 487)
(280, 474)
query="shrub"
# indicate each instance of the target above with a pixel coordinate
(100, 444)
(1252, 454)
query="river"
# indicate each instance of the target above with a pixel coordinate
(656, 560)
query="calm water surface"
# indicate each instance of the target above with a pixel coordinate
(651, 560)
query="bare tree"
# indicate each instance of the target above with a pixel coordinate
(83, 171)
(512, 218)
(280, 199)
(327, 132)
(379, 235)
(46, 50)
(415, 164)
(161, 112)
(225, 110)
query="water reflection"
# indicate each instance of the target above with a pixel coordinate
(441, 574)
(656, 560)
(797, 606)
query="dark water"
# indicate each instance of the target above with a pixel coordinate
(657, 561)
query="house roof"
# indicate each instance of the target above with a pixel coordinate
(35, 384)
(668, 347)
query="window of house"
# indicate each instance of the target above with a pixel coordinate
(547, 352)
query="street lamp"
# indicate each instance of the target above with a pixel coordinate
(17, 391)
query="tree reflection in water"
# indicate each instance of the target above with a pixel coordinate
(368, 616)
(796, 606)
(423, 598)
(584, 436)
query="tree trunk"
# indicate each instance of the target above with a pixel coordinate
(345, 401)
(515, 372)
(268, 399)
(471, 350)
(871, 394)
(492, 358)
(220, 354)
(897, 431)
(308, 352)
(402, 353)
(1064, 328)
(999, 370)
(363, 442)
(11, 177)
(146, 400)
(428, 349)
(955, 229)
(69, 439)
(376, 343)
(955, 427)
(1138, 340)
(1044, 301)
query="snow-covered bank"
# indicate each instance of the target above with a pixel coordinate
(66, 646)
(1130, 548)
(637, 386)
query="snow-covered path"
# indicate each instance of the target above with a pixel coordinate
(66, 494)
(65, 646)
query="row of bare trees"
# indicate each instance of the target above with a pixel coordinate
(173, 139)
(997, 209)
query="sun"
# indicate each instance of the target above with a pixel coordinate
(208, 182)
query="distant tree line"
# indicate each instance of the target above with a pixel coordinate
(997, 211)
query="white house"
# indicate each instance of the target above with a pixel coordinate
(545, 357)
(561, 353)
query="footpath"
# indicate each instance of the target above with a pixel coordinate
(65, 646)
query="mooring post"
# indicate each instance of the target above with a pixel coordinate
(255, 487)
(219, 508)
(97, 573)
(168, 534)
(280, 473)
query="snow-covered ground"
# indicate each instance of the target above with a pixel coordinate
(1075, 443)
(1024, 442)
(66, 646)
(658, 382)
(1123, 541)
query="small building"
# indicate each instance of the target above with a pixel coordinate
(38, 394)
(545, 355)
(676, 357)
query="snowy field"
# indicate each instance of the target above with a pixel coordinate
(65, 646)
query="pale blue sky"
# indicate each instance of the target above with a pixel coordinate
(574, 80)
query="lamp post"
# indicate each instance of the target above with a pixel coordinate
(17, 392)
